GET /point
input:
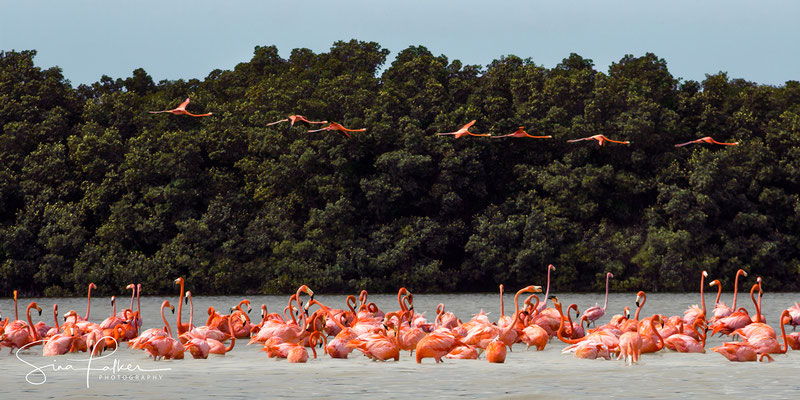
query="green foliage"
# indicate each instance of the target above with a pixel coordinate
(95, 189)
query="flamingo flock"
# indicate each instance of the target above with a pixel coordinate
(461, 132)
(384, 335)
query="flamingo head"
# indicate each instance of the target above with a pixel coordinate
(130, 286)
(92, 286)
(639, 297)
(551, 267)
(610, 275)
(705, 274)
(179, 281)
(186, 297)
(742, 272)
(715, 282)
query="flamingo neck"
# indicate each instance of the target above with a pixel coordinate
(166, 324)
(88, 302)
(702, 297)
(34, 335)
(639, 309)
(133, 294)
(55, 316)
(502, 304)
(735, 290)
(660, 338)
(784, 314)
(180, 307)
(191, 311)
(16, 314)
(605, 303)
(719, 293)
(233, 336)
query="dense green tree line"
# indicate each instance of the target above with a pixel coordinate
(93, 188)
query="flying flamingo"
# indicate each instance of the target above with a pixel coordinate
(337, 127)
(592, 314)
(520, 133)
(181, 110)
(708, 140)
(294, 118)
(463, 131)
(600, 139)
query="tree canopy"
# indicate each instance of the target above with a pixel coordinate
(95, 189)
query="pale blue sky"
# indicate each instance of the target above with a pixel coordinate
(754, 40)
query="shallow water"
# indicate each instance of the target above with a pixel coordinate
(246, 372)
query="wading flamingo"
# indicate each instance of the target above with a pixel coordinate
(708, 140)
(463, 131)
(592, 314)
(600, 139)
(337, 127)
(17, 335)
(520, 133)
(181, 327)
(165, 346)
(694, 312)
(295, 118)
(542, 306)
(720, 309)
(181, 110)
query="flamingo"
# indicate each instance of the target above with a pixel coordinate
(113, 320)
(708, 140)
(600, 139)
(436, 345)
(607, 340)
(164, 346)
(694, 312)
(739, 352)
(294, 118)
(592, 314)
(496, 349)
(464, 131)
(181, 110)
(520, 133)
(721, 309)
(201, 332)
(337, 127)
(794, 316)
(686, 344)
(181, 327)
(19, 334)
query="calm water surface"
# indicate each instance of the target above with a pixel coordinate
(246, 372)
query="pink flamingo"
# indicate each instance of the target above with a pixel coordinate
(794, 316)
(463, 131)
(295, 118)
(333, 126)
(739, 352)
(592, 314)
(436, 345)
(720, 309)
(520, 133)
(18, 335)
(694, 312)
(181, 110)
(165, 346)
(686, 344)
(708, 140)
(600, 139)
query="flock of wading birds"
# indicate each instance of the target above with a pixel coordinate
(382, 335)
(463, 131)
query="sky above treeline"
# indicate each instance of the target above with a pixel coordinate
(752, 40)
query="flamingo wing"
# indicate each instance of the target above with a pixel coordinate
(183, 105)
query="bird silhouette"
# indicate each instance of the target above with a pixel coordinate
(295, 118)
(708, 140)
(520, 133)
(337, 127)
(463, 131)
(600, 139)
